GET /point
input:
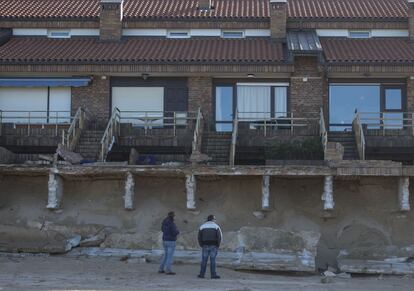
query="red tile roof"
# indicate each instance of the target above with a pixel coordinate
(141, 50)
(374, 50)
(185, 9)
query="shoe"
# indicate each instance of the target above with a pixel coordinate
(161, 272)
(215, 277)
(169, 273)
(200, 276)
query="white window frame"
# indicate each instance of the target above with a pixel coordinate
(171, 33)
(223, 32)
(351, 32)
(51, 32)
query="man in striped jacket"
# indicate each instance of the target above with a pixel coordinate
(209, 239)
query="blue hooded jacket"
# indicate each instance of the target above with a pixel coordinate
(169, 230)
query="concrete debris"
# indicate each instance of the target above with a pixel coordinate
(6, 156)
(259, 215)
(48, 158)
(73, 242)
(344, 276)
(93, 241)
(197, 157)
(329, 274)
(172, 164)
(69, 156)
(326, 280)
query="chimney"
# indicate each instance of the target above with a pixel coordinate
(204, 5)
(278, 18)
(111, 20)
(411, 19)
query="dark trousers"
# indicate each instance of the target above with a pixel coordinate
(208, 252)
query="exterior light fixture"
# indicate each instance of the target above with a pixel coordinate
(251, 75)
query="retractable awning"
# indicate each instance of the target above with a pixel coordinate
(44, 82)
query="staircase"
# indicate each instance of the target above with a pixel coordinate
(347, 139)
(89, 145)
(217, 146)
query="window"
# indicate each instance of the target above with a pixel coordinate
(359, 34)
(254, 102)
(378, 104)
(178, 34)
(232, 34)
(59, 34)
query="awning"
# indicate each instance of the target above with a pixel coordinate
(44, 82)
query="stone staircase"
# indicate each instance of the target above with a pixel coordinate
(89, 145)
(217, 146)
(347, 139)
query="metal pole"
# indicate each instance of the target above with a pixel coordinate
(28, 126)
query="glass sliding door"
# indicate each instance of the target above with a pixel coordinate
(224, 108)
(393, 115)
(345, 99)
(280, 94)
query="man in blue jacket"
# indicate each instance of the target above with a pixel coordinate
(169, 237)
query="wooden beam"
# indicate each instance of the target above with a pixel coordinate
(404, 193)
(191, 189)
(266, 193)
(129, 192)
(327, 196)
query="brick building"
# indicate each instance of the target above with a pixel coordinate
(265, 88)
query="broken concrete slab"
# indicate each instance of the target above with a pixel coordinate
(6, 156)
(69, 156)
(93, 241)
(390, 260)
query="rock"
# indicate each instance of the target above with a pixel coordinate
(259, 215)
(69, 156)
(93, 241)
(72, 242)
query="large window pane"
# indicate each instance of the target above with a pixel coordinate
(280, 102)
(393, 99)
(224, 108)
(345, 99)
(253, 102)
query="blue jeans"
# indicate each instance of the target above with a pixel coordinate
(167, 259)
(209, 251)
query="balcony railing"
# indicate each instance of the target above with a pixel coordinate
(31, 119)
(274, 121)
(387, 123)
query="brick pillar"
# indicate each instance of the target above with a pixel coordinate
(307, 87)
(200, 95)
(278, 18)
(411, 18)
(94, 98)
(204, 4)
(111, 20)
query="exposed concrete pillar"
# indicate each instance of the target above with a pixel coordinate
(129, 192)
(191, 188)
(327, 195)
(265, 192)
(404, 193)
(55, 193)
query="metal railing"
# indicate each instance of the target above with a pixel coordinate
(111, 133)
(70, 137)
(234, 139)
(198, 132)
(35, 118)
(387, 121)
(322, 131)
(282, 120)
(359, 135)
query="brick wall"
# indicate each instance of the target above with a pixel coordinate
(94, 98)
(278, 19)
(309, 96)
(200, 95)
(111, 21)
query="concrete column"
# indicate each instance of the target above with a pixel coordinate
(55, 193)
(327, 195)
(404, 193)
(129, 192)
(191, 189)
(265, 192)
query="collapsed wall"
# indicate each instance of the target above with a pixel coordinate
(288, 236)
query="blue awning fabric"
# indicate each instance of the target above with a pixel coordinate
(44, 82)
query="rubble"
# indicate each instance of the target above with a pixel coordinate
(6, 156)
(69, 156)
